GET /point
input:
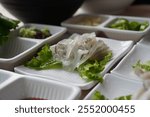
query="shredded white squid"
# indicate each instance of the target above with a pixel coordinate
(77, 49)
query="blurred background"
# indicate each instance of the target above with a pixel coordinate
(54, 11)
(42, 11)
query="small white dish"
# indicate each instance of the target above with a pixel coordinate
(55, 31)
(84, 22)
(17, 49)
(114, 86)
(125, 34)
(119, 49)
(32, 88)
(145, 41)
(124, 68)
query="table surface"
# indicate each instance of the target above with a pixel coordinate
(136, 10)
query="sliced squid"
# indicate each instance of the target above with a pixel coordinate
(77, 49)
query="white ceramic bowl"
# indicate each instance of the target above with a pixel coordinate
(31, 88)
(106, 6)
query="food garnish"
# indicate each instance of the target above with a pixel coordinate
(99, 96)
(139, 68)
(6, 25)
(43, 60)
(124, 24)
(32, 32)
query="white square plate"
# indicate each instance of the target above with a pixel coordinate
(73, 23)
(119, 49)
(124, 68)
(114, 86)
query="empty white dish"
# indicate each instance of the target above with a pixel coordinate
(124, 68)
(119, 49)
(85, 22)
(125, 34)
(32, 88)
(114, 86)
(16, 51)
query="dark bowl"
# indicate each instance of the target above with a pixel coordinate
(42, 11)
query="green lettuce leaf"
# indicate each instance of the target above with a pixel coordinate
(99, 96)
(127, 97)
(91, 69)
(6, 25)
(43, 60)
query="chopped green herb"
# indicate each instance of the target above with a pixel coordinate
(32, 32)
(127, 97)
(124, 24)
(144, 67)
(98, 96)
